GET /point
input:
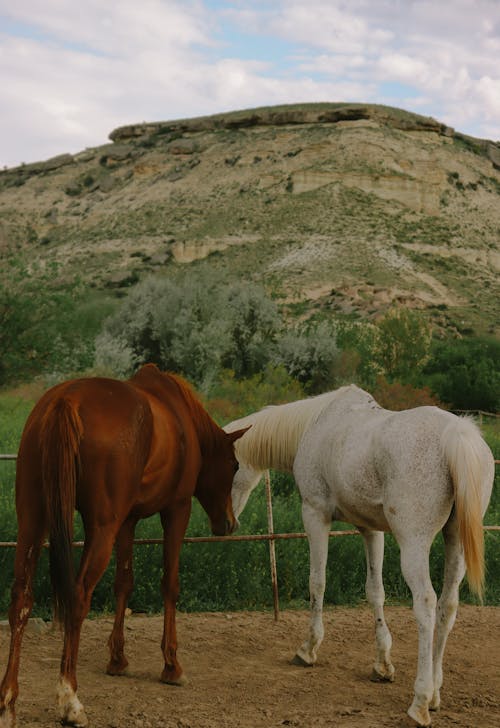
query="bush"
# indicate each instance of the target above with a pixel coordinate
(44, 330)
(397, 396)
(465, 373)
(402, 344)
(230, 398)
(309, 353)
(191, 325)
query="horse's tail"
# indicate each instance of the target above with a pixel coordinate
(464, 450)
(60, 437)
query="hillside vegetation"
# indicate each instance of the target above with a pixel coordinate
(340, 208)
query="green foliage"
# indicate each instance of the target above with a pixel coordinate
(253, 323)
(230, 398)
(308, 353)
(465, 373)
(235, 575)
(45, 328)
(402, 345)
(357, 364)
(192, 325)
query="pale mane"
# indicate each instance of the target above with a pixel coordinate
(274, 437)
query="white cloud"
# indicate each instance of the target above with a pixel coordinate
(71, 72)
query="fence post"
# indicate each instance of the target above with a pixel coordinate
(272, 550)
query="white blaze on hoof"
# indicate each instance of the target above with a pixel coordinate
(70, 708)
(420, 715)
(302, 660)
(382, 674)
(305, 657)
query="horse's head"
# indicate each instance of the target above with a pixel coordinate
(213, 488)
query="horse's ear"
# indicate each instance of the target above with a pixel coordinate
(233, 436)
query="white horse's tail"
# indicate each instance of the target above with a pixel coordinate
(468, 459)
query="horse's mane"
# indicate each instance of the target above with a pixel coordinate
(274, 436)
(209, 433)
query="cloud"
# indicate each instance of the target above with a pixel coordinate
(71, 72)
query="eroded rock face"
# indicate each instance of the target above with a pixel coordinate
(282, 116)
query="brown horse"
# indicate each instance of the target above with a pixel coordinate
(117, 452)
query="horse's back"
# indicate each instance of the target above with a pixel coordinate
(377, 466)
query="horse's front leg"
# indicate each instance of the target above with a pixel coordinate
(174, 522)
(383, 669)
(317, 526)
(124, 583)
(244, 482)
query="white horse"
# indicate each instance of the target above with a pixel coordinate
(413, 473)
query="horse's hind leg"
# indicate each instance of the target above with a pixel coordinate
(415, 567)
(29, 540)
(317, 527)
(95, 558)
(454, 571)
(383, 669)
(124, 583)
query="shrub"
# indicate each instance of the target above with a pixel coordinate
(397, 396)
(402, 344)
(309, 353)
(465, 373)
(191, 325)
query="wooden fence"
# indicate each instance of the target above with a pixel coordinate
(270, 536)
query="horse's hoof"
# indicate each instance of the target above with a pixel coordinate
(169, 679)
(420, 717)
(75, 719)
(298, 660)
(7, 719)
(71, 710)
(435, 703)
(117, 668)
(381, 677)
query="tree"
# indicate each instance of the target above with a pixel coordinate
(38, 326)
(253, 323)
(465, 373)
(402, 345)
(309, 354)
(193, 325)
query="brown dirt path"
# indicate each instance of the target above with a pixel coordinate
(241, 677)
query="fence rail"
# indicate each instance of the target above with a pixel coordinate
(271, 536)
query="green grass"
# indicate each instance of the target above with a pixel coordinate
(236, 575)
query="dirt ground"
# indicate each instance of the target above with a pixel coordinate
(240, 674)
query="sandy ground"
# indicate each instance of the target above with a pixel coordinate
(240, 674)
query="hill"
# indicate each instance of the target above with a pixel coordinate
(342, 208)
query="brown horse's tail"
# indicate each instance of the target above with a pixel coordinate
(60, 437)
(470, 464)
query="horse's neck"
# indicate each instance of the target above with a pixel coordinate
(176, 392)
(274, 437)
(208, 431)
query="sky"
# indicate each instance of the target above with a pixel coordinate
(71, 71)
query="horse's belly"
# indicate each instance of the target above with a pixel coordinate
(370, 516)
(357, 495)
